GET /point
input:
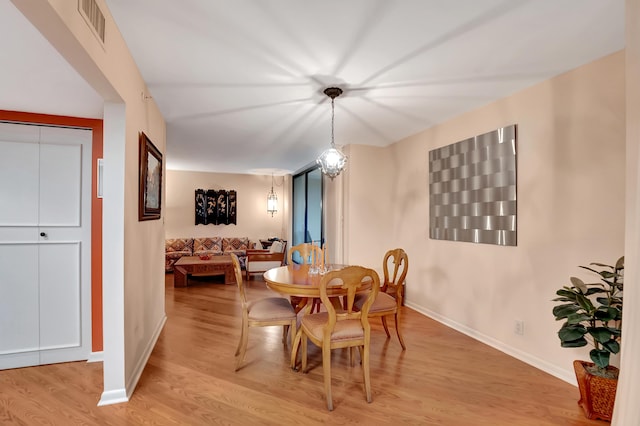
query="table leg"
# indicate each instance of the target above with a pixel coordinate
(302, 303)
(179, 277)
(229, 275)
(298, 303)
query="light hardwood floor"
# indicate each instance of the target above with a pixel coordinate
(443, 378)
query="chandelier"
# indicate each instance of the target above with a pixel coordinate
(272, 200)
(332, 161)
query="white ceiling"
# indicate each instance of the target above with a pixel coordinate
(34, 77)
(240, 82)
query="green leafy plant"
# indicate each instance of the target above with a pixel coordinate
(593, 313)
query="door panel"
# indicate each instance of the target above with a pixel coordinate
(19, 300)
(314, 205)
(59, 295)
(307, 209)
(60, 172)
(18, 184)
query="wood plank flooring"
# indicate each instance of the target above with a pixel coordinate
(443, 378)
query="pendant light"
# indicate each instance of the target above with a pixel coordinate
(332, 160)
(272, 200)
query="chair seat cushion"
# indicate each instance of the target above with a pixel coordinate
(271, 308)
(345, 330)
(383, 302)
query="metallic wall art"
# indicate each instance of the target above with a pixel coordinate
(472, 189)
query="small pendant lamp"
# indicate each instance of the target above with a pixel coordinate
(272, 200)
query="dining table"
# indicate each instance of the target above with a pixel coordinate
(301, 283)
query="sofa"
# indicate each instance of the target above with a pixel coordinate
(175, 248)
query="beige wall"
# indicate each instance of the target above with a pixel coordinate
(133, 255)
(627, 409)
(253, 221)
(368, 205)
(571, 171)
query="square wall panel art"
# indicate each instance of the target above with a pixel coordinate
(472, 189)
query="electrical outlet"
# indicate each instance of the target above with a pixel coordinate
(519, 327)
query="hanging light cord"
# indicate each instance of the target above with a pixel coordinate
(332, 125)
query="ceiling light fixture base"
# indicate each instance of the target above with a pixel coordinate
(333, 92)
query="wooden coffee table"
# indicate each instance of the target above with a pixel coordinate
(193, 265)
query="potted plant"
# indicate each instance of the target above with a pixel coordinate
(593, 316)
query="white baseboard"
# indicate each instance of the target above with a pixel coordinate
(142, 362)
(562, 374)
(113, 397)
(96, 357)
(122, 395)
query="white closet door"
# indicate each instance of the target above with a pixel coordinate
(64, 254)
(19, 279)
(45, 253)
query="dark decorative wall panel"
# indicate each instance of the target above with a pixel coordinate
(215, 207)
(472, 189)
(221, 203)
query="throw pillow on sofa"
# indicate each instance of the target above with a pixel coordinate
(210, 246)
(238, 246)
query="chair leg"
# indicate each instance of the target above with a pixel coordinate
(243, 346)
(242, 331)
(294, 350)
(285, 331)
(386, 328)
(398, 333)
(304, 352)
(365, 373)
(326, 369)
(293, 330)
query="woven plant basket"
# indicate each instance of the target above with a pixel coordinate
(597, 394)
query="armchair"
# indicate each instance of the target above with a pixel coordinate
(259, 261)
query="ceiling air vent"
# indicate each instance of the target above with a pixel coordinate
(93, 15)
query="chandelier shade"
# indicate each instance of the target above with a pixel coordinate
(332, 161)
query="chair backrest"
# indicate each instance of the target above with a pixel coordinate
(394, 284)
(353, 280)
(238, 271)
(308, 252)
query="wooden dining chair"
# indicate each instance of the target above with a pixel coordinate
(261, 313)
(308, 252)
(391, 295)
(340, 327)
